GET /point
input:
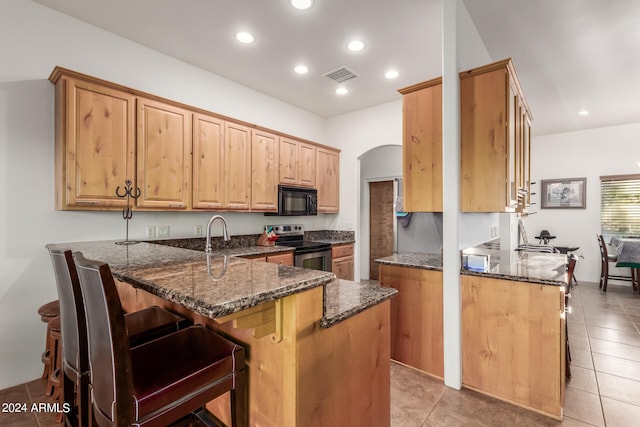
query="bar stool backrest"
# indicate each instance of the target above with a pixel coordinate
(72, 318)
(109, 355)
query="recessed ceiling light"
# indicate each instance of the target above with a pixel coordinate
(342, 91)
(302, 4)
(355, 45)
(301, 69)
(583, 112)
(391, 74)
(245, 37)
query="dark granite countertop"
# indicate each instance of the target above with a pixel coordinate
(181, 275)
(414, 260)
(333, 237)
(522, 266)
(344, 299)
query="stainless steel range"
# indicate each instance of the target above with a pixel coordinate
(307, 254)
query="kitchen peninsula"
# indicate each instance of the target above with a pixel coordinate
(317, 349)
(513, 323)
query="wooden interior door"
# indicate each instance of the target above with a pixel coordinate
(381, 217)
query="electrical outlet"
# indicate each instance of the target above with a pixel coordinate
(163, 231)
(151, 231)
(197, 230)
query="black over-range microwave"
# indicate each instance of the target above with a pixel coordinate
(296, 201)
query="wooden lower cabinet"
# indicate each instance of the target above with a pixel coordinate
(416, 317)
(513, 342)
(279, 258)
(342, 264)
(304, 375)
(282, 259)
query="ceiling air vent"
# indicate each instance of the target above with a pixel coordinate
(341, 74)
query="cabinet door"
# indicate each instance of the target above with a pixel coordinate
(264, 171)
(306, 165)
(343, 268)
(297, 163)
(94, 144)
(208, 162)
(484, 154)
(164, 155)
(237, 169)
(416, 317)
(422, 149)
(288, 161)
(520, 326)
(327, 180)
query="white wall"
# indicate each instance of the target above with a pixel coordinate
(34, 39)
(591, 154)
(356, 133)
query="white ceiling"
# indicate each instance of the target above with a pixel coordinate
(569, 54)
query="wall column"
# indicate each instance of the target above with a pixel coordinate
(451, 193)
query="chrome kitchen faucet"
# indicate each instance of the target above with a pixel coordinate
(225, 233)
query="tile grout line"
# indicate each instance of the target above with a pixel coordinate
(593, 364)
(434, 406)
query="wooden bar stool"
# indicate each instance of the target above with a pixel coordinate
(47, 312)
(162, 381)
(55, 357)
(142, 326)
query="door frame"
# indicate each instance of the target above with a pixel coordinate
(365, 223)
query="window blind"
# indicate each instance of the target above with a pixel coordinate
(620, 205)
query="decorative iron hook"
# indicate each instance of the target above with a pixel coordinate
(127, 213)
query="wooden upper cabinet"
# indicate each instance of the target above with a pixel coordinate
(208, 162)
(163, 155)
(94, 150)
(328, 179)
(237, 166)
(264, 171)
(494, 120)
(180, 157)
(307, 165)
(422, 146)
(297, 163)
(288, 161)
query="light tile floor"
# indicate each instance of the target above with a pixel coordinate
(604, 333)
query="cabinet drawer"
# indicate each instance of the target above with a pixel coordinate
(283, 259)
(341, 251)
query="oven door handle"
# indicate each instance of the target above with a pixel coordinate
(321, 250)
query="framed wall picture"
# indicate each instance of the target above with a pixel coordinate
(569, 193)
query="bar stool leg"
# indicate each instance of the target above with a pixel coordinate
(55, 356)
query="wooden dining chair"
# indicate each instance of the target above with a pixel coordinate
(571, 265)
(605, 259)
(143, 325)
(162, 381)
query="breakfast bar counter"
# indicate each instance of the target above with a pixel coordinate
(315, 356)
